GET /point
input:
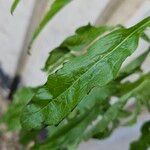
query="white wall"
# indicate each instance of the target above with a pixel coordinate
(12, 31)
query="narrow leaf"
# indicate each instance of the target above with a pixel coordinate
(69, 85)
(143, 143)
(83, 37)
(53, 10)
(69, 135)
(12, 115)
(134, 65)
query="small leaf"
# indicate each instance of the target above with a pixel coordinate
(14, 5)
(83, 37)
(12, 115)
(97, 95)
(146, 37)
(143, 143)
(69, 135)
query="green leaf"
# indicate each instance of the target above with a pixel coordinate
(135, 114)
(56, 59)
(14, 5)
(107, 131)
(102, 93)
(142, 87)
(53, 10)
(69, 135)
(134, 65)
(12, 115)
(143, 143)
(84, 36)
(27, 137)
(97, 95)
(146, 37)
(73, 45)
(72, 133)
(69, 85)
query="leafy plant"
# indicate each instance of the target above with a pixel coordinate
(84, 73)
(143, 143)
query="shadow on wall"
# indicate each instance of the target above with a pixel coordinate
(5, 79)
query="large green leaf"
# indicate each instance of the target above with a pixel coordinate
(146, 37)
(69, 85)
(74, 44)
(14, 5)
(53, 10)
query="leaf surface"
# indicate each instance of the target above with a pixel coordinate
(142, 87)
(69, 85)
(69, 135)
(134, 65)
(143, 143)
(12, 115)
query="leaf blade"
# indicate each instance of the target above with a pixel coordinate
(80, 75)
